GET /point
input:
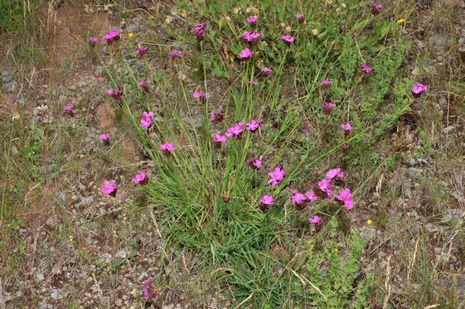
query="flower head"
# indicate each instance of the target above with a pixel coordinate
(288, 39)
(115, 93)
(328, 107)
(314, 220)
(141, 50)
(376, 8)
(143, 85)
(347, 127)
(251, 37)
(401, 21)
(418, 88)
(175, 53)
(345, 196)
(199, 95)
(105, 138)
(335, 173)
(69, 108)
(111, 36)
(298, 199)
(324, 186)
(148, 289)
(167, 149)
(140, 178)
(366, 68)
(146, 119)
(326, 82)
(276, 176)
(109, 188)
(216, 117)
(252, 20)
(266, 202)
(255, 163)
(130, 35)
(200, 30)
(219, 139)
(266, 71)
(311, 196)
(235, 131)
(93, 40)
(253, 125)
(300, 17)
(245, 54)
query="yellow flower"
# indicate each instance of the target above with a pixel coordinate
(336, 250)
(369, 222)
(401, 21)
(130, 35)
(70, 237)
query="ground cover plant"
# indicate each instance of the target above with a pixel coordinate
(265, 133)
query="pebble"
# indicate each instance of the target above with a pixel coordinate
(10, 87)
(56, 294)
(39, 277)
(448, 129)
(121, 254)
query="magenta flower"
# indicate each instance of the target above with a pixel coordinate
(288, 39)
(265, 203)
(148, 289)
(109, 188)
(251, 37)
(376, 9)
(167, 149)
(266, 71)
(146, 119)
(199, 95)
(175, 53)
(366, 68)
(347, 127)
(111, 37)
(69, 108)
(93, 41)
(345, 148)
(325, 186)
(116, 93)
(345, 196)
(245, 54)
(418, 88)
(314, 220)
(218, 117)
(253, 125)
(141, 51)
(300, 17)
(143, 85)
(276, 176)
(105, 138)
(298, 199)
(328, 107)
(219, 139)
(140, 178)
(252, 20)
(235, 131)
(200, 30)
(255, 163)
(311, 196)
(335, 173)
(326, 82)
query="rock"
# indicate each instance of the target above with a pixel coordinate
(56, 294)
(10, 87)
(7, 76)
(121, 254)
(448, 129)
(39, 277)
(47, 169)
(133, 27)
(86, 201)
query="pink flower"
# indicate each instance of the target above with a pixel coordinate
(143, 85)
(266, 71)
(345, 196)
(266, 202)
(245, 54)
(109, 188)
(251, 37)
(335, 173)
(175, 53)
(326, 82)
(142, 50)
(288, 39)
(140, 178)
(253, 125)
(328, 107)
(276, 176)
(167, 149)
(418, 88)
(105, 138)
(219, 139)
(146, 119)
(314, 220)
(298, 199)
(200, 30)
(69, 108)
(376, 8)
(347, 127)
(325, 187)
(148, 289)
(252, 20)
(218, 117)
(235, 131)
(116, 93)
(345, 148)
(112, 36)
(300, 17)
(311, 196)
(255, 163)
(366, 68)
(93, 40)
(199, 95)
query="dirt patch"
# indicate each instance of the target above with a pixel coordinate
(104, 116)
